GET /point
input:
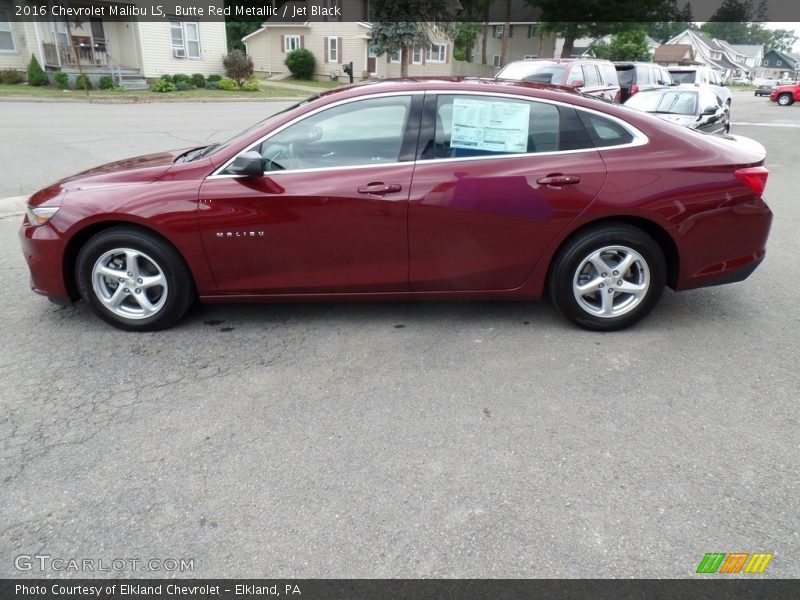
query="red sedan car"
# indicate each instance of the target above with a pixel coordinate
(414, 189)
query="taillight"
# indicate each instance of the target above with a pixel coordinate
(634, 89)
(753, 177)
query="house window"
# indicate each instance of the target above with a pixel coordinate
(185, 38)
(765, 63)
(716, 55)
(292, 43)
(416, 57)
(530, 56)
(498, 31)
(496, 61)
(333, 50)
(7, 42)
(779, 63)
(437, 53)
(531, 31)
(394, 57)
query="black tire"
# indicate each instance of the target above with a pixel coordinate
(785, 100)
(155, 259)
(568, 268)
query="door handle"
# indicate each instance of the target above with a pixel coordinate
(558, 180)
(379, 188)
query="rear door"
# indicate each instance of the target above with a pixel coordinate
(498, 177)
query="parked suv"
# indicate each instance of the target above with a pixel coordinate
(637, 77)
(700, 74)
(590, 76)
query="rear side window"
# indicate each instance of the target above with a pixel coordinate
(604, 132)
(643, 75)
(591, 77)
(472, 126)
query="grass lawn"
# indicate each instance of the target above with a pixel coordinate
(9, 91)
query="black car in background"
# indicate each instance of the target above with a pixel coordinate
(637, 77)
(693, 106)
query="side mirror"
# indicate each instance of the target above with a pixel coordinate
(248, 164)
(576, 83)
(709, 110)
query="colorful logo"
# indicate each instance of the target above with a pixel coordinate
(719, 562)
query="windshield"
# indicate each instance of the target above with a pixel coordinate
(214, 148)
(676, 102)
(533, 71)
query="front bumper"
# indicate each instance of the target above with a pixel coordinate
(43, 249)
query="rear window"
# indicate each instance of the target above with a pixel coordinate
(535, 72)
(684, 76)
(625, 75)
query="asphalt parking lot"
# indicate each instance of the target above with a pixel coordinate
(393, 440)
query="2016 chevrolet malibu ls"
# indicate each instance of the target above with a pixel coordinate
(414, 189)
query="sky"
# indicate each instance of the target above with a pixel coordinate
(787, 25)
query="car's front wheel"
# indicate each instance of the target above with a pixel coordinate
(785, 99)
(133, 279)
(608, 277)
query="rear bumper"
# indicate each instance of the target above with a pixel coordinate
(735, 275)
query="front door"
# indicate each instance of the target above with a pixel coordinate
(329, 214)
(372, 61)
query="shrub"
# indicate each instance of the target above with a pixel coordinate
(11, 76)
(251, 85)
(167, 77)
(214, 77)
(106, 83)
(301, 63)
(36, 75)
(228, 84)
(82, 82)
(198, 80)
(61, 79)
(238, 66)
(163, 86)
(178, 77)
(182, 86)
(212, 85)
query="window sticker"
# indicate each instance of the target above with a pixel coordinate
(488, 125)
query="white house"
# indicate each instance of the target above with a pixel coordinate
(714, 53)
(130, 50)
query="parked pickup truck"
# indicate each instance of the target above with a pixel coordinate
(786, 94)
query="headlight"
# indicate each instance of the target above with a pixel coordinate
(39, 215)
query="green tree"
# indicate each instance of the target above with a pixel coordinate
(391, 34)
(466, 34)
(36, 75)
(595, 18)
(626, 45)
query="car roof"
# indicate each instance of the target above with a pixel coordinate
(560, 60)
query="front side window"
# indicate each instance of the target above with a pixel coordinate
(7, 41)
(364, 132)
(473, 126)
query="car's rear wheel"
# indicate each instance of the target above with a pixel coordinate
(785, 99)
(608, 277)
(133, 279)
